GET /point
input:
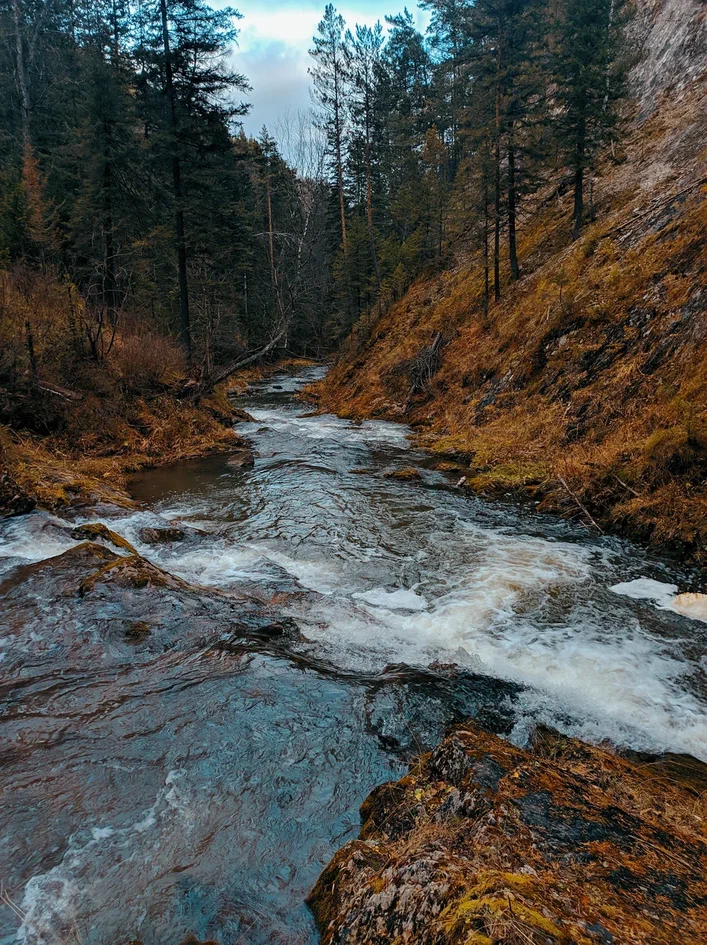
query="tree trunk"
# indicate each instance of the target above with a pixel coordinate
(497, 157)
(339, 159)
(580, 146)
(110, 282)
(271, 235)
(512, 246)
(486, 244)
(369, 206)
(22, 80)
(184, 318)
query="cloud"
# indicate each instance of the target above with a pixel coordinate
(273, 50)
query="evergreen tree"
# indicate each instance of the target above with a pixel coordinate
(588, 68)
(330, 76)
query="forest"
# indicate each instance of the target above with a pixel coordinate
(130, 189)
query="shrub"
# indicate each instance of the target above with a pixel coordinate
(147, 362)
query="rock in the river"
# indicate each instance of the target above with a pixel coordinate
(484, 843)
(243, 459)
(239, 415)
(98, 531)
(161, 536)
(404, 474)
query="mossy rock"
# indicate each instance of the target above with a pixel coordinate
(404, 475)
(483, 843)
(97, 530)
(137, 631)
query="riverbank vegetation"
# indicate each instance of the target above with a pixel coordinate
(557, 351)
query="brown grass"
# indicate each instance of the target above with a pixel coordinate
(586, 387)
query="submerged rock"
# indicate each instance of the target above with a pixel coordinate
(404, 474)
(485, 843)
(243, 459)
(161, 536)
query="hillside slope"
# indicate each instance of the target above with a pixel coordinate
(587, 385)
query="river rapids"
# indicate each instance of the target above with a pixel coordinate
(197, 780)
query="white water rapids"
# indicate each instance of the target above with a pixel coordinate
(192, 785)
(416, 573)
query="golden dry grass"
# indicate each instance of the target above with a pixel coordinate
(586, 387)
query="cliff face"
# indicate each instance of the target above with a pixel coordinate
(672, 35)
(483, 843)
(586, 387)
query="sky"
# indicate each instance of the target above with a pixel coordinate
(273, 49)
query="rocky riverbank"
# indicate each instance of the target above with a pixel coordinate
(483, 843)
(93, 443)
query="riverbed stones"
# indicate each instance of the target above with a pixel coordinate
(484, 843)
(162, 536)
(405, 475)
(242, 459)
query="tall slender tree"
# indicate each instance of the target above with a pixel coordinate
(588, 68)
(330, 76)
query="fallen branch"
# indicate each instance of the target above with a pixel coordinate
(62, 392)
(209, 383)
(581, 506)
(626, 486)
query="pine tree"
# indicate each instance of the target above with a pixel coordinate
(365, 68)
(330, 76)
(588, 68)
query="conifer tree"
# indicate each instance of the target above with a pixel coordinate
(588, 68)
(330, 76)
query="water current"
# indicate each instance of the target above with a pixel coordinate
(194, 775)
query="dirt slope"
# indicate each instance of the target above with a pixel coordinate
(587, 385)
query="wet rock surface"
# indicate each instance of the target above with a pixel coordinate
(161, 536)
(486, 843)
(13, 499)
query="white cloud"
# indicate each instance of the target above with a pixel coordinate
(273, 50)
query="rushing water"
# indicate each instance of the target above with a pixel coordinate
(198, 781)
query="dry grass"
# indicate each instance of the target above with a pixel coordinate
(592, 370)
(77, 417)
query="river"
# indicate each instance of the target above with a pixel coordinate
(197, 779)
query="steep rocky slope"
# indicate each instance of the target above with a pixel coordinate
(586, 387)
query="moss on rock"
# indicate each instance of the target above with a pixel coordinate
(484, 843)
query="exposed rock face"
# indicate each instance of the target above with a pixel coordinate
(672, 37)
(485, 843)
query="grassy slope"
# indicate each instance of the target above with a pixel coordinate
(587, 385)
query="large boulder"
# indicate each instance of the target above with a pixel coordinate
(485, 843)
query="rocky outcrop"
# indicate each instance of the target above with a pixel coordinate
(13, 499)
(672, 38)
(485, 843)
